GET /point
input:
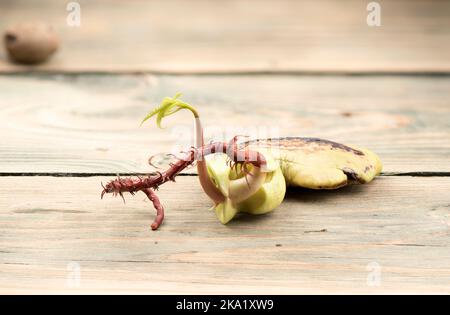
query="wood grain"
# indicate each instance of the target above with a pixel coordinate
(77, 120)
(90, 123)
(204, 36)
(315, 242)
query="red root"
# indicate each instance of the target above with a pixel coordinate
(158, 206)
(149, 184)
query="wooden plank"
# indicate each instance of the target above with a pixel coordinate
(206, 36)
(90, 123)
(315, 242)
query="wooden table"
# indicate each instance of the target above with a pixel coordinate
(293, 68)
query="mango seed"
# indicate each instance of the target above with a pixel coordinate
(30, 43)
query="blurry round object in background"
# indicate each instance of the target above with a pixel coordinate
(30, 43)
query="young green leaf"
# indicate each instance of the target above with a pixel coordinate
(169, 106)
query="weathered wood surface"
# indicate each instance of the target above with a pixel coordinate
(241, 36)
(391, 236)
(90, 123)
(315, 242)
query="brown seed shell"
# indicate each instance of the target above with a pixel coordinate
(30, 43)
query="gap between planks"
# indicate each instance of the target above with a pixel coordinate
(31, 70)
(58, 174)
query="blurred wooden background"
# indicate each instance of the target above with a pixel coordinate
(203, 36)
(303, 68)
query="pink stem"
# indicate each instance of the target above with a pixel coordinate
(208, 186)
